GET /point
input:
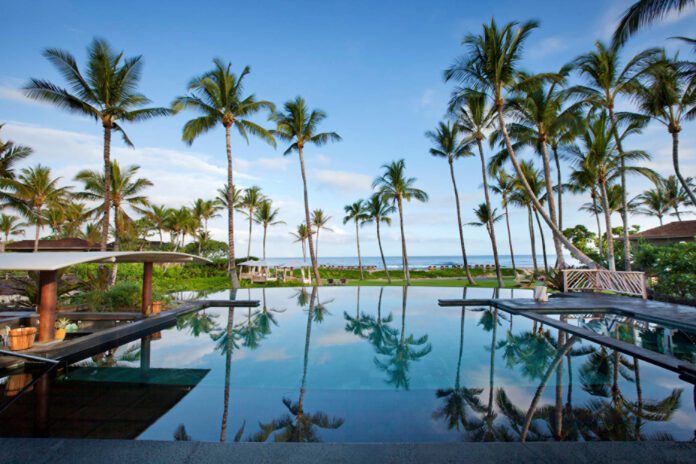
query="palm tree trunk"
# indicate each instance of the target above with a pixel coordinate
(161, 235)
(404, 253)
(659, 217)
(117, 245)
(484, 176)
(316, 246)
(560, 262)
(607, 219)
(530, 223)
(509, 234)
(249, 243)
(308, 335)
(107, 187)
(558, 419)
(381, 251)
(461, 229)
(491, 371)
(559, 184)
(677, 171)
(579, 255)
(228, 365)
(304, 251)
(599, 223)
(543, 242)
(357, 239)
(38, 230)
(624, 202)
(312, 254)
(231, 265)
(265, 227)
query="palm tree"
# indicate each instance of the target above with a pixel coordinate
(677, 194)
(219, 95)
(298, 124)
(9, 225)
(33, 190)
(267, 216)
(643, 13)
(520, 198)
(206, 210)
(378, 211)
(221, 197)
(491, 67)
(302, 235)
(504, 186)
(608, 81)
(474, 119)
(394, 187)
(449, 144)
(158, 216)
(10, 155)
(319, 221)
(249, 203)
(584, 179)
(106, 93)
(486, 217)
(357, 213)
(654, 201)
(670, 99)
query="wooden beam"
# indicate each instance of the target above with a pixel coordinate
(48, 303)
(147, 288)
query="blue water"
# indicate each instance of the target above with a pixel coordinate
(422, 262)
(434, 374)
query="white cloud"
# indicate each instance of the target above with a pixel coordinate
(547, 46)
(345, 181)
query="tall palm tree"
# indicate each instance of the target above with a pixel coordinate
(299, 125)
(357, 213)
(677, 195)
(249, 203)
(394, 187)
(490, 66)
(106, 92)
(378, 211)
(267, 216)
(158, 216)
(31, 192)
(319, 221)
(654, 201)
(485, 217)
(644, 13)
(449, 144)
(667, 97)
(9, 226)
(219, 96)
(475, 118)
(504, 186)
(222, 198)
(583, 180)
(519, 197)
(302, 236)
(607, 80)
(10, 155)
(205, 210)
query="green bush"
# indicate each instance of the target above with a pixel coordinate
(673, 267)
(123, 295)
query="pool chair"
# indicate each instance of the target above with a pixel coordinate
(344, 281)
(331, 281)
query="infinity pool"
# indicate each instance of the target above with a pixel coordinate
(357, 365)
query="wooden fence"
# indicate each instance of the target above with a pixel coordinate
(629, 283)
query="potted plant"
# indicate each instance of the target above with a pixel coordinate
(22, 338)
(61, 328)
(156, 307)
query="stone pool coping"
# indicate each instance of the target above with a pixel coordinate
(49, 450)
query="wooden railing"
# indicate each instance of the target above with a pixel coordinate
(629, 283)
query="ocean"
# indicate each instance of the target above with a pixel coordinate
(421, 262)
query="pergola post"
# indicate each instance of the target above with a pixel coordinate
(48, 304)
(147, 288)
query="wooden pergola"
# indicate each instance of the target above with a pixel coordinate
(47, 264)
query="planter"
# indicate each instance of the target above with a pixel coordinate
(156, 307)
(22, 338)
(60, 334)
(16, 383)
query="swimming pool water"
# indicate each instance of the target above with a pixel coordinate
(363, 364)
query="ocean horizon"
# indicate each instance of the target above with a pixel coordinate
(422, 262)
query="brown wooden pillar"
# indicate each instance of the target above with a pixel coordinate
(147, 288)
(48, 303)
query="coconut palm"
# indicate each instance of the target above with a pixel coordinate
(106, 93)
(378, 210)
(667, 97)
(267, 216)
(654, 202)
(221, 197)
(302, 236)
(644, 13)
(519, 197)
(474, 119)
(206, 210)
(219, 95)
(10, 155)
(490, 66)
(607, 80)
(486, 217)
(394, 187)
(319, 221)
(357, 213)
(158, 216)
(31, 192)
(10, 226)
(583, 180)
(249, 203)
(299, 125)
(504, 186)
(677, 195)
(449, 144)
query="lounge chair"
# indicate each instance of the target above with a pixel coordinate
(344, 281)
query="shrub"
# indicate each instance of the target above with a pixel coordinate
(673, 267)
(123, 295)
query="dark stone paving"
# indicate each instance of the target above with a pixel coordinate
(39, 451)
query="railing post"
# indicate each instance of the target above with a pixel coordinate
(565, 280)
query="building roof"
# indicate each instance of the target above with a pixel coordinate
(683, 230)
(54, 260)
(61, 244)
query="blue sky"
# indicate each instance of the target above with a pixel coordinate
(376, 69)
